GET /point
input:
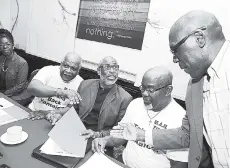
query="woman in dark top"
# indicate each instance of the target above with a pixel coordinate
(13, 68)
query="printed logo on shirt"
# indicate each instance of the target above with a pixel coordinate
(156, 125)
(142, 144)
(159, 125)
(54, 102)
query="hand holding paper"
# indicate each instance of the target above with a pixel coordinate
(66, 133)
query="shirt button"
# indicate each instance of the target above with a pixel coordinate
(198, 158)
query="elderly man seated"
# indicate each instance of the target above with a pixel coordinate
(55, 89)
(103, 102)
(155, 110)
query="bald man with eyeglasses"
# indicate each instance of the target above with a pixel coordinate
(155, 110)
(199, 47)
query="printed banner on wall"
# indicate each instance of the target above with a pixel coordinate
(118, 22)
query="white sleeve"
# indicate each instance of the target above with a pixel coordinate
(44, 74)
(128, 114)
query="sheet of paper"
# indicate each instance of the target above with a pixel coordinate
(66, 133)
(51, 148)
(5, 118)
(5, 103)
(99, 160)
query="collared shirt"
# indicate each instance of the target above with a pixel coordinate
(216, 107)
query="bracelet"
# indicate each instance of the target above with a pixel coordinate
(57, 92)
(96, 135)
(52, 112)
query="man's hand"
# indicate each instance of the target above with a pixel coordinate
(53, 117)
(72, 95)
(37, 115)
(90, 134)
(98, 145)
(128, 132)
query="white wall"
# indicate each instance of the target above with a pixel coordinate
(21, 28)
(5, 14)
(155, 49)
(51, 37)
(8, 14)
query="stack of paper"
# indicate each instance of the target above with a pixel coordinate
(5, 118)
(51, 148)
(65, 138)
(99, 160)
(5, 103)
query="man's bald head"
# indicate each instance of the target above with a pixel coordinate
(73, 57)
(159, 76)
(195, 40)
(108, 71)
(193, 20)
(107, 60)
(70, 66)
(156, 88)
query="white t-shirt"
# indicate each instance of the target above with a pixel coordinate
(138, 154)
(50, 76)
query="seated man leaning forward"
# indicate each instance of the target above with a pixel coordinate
(155, 110)
(55, 89)
(103, 103)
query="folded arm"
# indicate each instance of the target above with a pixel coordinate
(38, 89)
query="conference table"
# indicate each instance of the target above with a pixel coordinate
(19, 156)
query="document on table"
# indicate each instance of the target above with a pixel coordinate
(51, 148)
(66, 133)
(5, 103)
(100, 160)
(5, 118)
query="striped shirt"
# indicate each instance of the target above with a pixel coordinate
(216, 101)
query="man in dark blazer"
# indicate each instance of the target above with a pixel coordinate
(199, 47)
(103, 102)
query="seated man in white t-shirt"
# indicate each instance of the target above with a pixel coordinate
(155, 110)
(55, 89)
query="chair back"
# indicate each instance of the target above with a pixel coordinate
(33, 74)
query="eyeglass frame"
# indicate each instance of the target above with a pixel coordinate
(149, 91)
(113, 67)
(175, 48)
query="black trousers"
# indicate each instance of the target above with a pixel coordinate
(206, 159)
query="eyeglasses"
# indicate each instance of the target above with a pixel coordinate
(151, 90)
(107, 67)
(175, 48)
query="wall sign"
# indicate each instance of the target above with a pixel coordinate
(117, 22)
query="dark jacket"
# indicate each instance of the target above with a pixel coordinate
(16, 76)
(112, 109)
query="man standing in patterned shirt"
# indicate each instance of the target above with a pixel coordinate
(201, 50)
